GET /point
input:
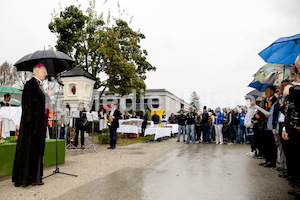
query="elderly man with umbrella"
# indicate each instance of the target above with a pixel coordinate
(28, 165)
(29, 158)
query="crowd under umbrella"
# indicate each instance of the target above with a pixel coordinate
(55, 61)
(283, 51)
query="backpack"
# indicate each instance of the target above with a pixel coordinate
(209, 121)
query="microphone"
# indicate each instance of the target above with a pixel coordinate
(60, 83)
(52, 78)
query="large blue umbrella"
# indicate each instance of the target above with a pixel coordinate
(256, 84)
(283, 51)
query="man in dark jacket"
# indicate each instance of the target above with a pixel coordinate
(114, 117)
(80, 124)
(205, 136)
(268, 146)
(291, 130)
(190, 126)
(181, 126)
(29, 157)
(155, 119)
(144, 123)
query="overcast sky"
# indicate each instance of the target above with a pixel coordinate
(210, 47)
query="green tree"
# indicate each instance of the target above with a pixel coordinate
(195, 100)
(114, 50)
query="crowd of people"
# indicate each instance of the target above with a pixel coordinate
(271, 127)
(213, 126)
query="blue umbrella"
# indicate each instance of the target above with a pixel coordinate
(283, 51)
(256, 84)
(255, 93)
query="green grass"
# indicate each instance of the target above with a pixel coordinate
(96, 134)
(128, 141)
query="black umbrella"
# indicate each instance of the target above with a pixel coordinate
(54, 61)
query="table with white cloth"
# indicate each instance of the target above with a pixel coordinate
(9, 118)
(158, 132)
(173, 126)
(130, 126)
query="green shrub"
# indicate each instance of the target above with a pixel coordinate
(104, 138)
(105, 130)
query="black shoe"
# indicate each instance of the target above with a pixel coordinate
(262, 164)
(183, 140)
(114, 148)
(178, 141)
(34, 184)
(294, 192)
(109, 148)
(269, 164)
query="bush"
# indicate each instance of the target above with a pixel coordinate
(105, 130)
(104, 138)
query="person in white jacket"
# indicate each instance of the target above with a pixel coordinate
(249, 126)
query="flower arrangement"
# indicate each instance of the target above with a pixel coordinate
(2, 140)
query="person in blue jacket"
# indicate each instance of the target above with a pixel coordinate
(218, 123)
(242, 129)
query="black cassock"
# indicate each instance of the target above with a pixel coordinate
(29, 157)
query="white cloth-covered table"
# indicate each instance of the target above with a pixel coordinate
(10, 117)
(173, 126)
(130, 126)
(132, 121)
(128, 129)
(158, 132)
(150, 124)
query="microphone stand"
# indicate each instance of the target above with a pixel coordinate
(56, 171)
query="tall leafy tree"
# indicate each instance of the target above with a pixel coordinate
(195, 100)
(114, 50)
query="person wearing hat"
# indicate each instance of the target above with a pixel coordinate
(6, 101)
(29, 157)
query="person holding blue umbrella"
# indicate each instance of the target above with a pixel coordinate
(291, 130)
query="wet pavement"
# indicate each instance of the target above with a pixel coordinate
(194, 171)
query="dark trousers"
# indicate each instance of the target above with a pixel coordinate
(231, 133)
(113, 136)
(81, 136)
(270, 147)
(198, 133)
(258, 141)
(143, 129)
(251, 141)
(205, 130)
(285, 146)
(292, 154)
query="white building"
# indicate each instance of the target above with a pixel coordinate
(153, 99)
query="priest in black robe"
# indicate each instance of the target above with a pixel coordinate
(29, 157)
